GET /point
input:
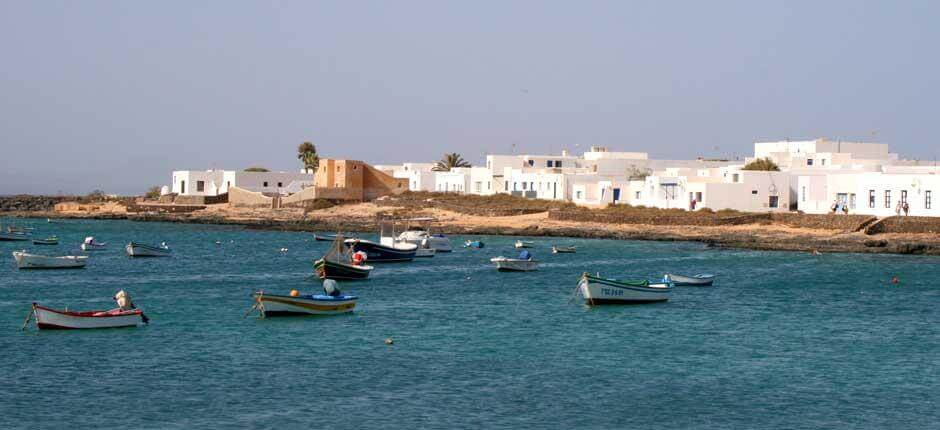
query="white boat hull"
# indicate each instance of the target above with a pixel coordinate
(13, 236)
(51, 319)
(135, 250)
(425, 252)
(32, 261)
(514, 264)
(692, 281)
(93, 246)
(274, 305)
(601, 292)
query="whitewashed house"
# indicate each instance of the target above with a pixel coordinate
(216, 182)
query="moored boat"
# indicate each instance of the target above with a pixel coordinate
(51, 240)
(341, 262)
(473, 244)
(564, 249)
(600, 291)
(524, 244)
(421, 235)
(90, 244)
(524, 263)
(324, 237)
(16, 236)
(25, 260)
(700, 280)
(135, 249)
(425, 252)
(332, 303)
(380, 253)
(125, 315)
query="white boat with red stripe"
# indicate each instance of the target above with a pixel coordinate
(54, 319)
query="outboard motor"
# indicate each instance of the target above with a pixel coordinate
(331, 288)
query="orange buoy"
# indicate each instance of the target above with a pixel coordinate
(294, 293)
(895, 280)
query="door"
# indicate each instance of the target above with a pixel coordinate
(182, 187)
(616, 195)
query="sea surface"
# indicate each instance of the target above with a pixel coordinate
(783, 340)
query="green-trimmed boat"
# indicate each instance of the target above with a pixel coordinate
(602, 291)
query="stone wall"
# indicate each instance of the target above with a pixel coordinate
(25, 203)
(243, 198)
(905, 224)
(824, 221)
(653, 217)
(162, 208)
(376, 183)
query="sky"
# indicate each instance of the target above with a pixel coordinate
(115, 95)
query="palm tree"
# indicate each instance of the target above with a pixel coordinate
(307, 154)
(450, 161)
(762, 164)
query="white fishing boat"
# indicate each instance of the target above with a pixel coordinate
(331, 303)
(25, 260)
(90, 244)
(126, 315)
(564, 249)
(600, 291)
(700, 280)
(420, 235)
(425, 252)
(524, 263)
(135, 249)
(524, 244)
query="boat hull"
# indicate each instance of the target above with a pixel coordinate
(515, 265)
(52, 319)
(278, 305)
(563, 250)
(378, 253)
(599, 291)
(93, 246)
(32, 261)
(340, 271)
(324, 238)
(437, 243)
(11, 237)
(692, 281)
(140, 250)
(45, 242)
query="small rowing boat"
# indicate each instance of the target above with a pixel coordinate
(126, 315)
(340, 262)
(91, 245)
(51, 240)
(332, 303)
(602, 291)
(564, 249)
(524, 244)
(15, 229)
(524, 263)
(25, 260)
(135, 249)
(700, 280)
(324, 237)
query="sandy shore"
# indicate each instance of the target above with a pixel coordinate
(362, 218)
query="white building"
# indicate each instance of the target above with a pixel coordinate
(871, 193)
(215, 182)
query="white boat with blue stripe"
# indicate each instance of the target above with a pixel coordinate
(601, 291)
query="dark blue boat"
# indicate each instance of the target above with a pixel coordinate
(379, 253)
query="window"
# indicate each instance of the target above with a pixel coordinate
(927, 199)
(803, 190)
(531, 185)
(774, 200)
(809, 161)
(478, 187)
(888, 199)
(182, 187)
(577, 195)
(754, 192)
(337, 168)
(558, 163)
(549, 163)
(871, 198)
(734, 177)
(506, 186)
(355, 167)
(852, 201)
(638, 195)
(489, 185)
(200, 186)
(524, 184)
(531, 162)
(515, 186)
(228, 184)
(264, 184)
(903, 196)
(280, 184)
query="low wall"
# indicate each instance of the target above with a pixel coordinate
(163, 208)
(653, 218)
(824, 221)
(243, 198)
(905, 224)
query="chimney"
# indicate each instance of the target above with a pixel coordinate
(564, 152)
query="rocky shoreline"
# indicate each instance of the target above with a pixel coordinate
(748, 237)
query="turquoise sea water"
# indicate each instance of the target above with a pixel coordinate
(784, 340)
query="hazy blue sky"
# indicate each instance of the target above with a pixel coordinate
(115, 95)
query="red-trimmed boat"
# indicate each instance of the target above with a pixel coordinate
(54, 319)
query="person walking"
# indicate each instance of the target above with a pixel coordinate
(906, 208)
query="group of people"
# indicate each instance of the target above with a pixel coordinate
(902, 206)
